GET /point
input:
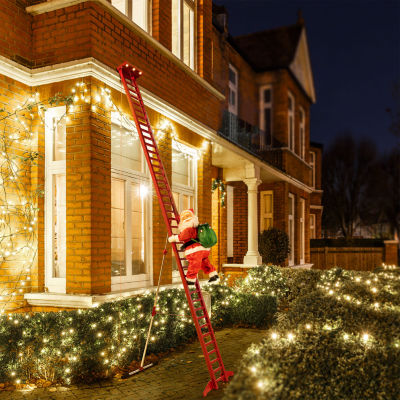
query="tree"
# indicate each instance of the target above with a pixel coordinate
(347, 167)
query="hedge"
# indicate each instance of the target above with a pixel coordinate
(88, 344)
(338, 339)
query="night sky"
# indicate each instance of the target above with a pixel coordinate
(355, 56)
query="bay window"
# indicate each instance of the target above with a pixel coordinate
(130, 208)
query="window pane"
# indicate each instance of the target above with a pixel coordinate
(126, 151)
(232, 76)
(267, 95)
(267, 223)
(180, 168)
(118, 264)
(268, 203)
(188, 35)
(59, 232)
(139, 13)
(59, 139)
(138, 230)
(176, 35)
(290, 103)
(120, 5)
(267, 124)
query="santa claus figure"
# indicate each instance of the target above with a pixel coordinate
(195, 253)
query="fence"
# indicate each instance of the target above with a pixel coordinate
(360, 255)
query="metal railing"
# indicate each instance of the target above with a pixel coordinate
(252, 139)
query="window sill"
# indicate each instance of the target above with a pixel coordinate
(63, 300)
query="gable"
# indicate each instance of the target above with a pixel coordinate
(301, 67)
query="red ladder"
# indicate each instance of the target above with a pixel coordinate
(197, 306)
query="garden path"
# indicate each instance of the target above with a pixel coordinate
(180, 375)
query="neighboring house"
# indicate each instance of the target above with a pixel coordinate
(316, 207)
(99, 231)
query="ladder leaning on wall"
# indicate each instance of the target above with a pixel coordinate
(205, 333)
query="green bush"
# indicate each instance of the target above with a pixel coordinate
(273, 245)
(88, 344)
(344, 341)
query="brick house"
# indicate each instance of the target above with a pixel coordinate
(217, 110)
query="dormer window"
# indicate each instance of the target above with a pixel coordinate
(139, 11)
(183, 31)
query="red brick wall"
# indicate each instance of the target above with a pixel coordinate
(88, 30)
(15, 31)
(161, 22)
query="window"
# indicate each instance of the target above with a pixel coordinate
(302, 230)
(312, 165)
(266, 115)
(233, 90)
(291, 137)
(139, 11)
(313, 234)
(184, 183)
(266, 210)
(55, 199)
(302, 133)
(130, 208)
(291, 228)
(183, 31)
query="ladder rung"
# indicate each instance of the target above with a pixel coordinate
(212, 351)
(220, 378)
(199, 308)
(217, 369)
(213, 361)
(200, 317)
(208, 343)
(202, 326)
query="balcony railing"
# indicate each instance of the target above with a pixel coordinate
(252, 139)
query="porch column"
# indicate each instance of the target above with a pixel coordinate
(252, 256)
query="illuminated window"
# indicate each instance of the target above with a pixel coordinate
(139, 11)
(55, 199)
(266, 115)
(130, 208)
(313, 233)
(266, 210)
(183, 31)
(184, 183)
(302, 230)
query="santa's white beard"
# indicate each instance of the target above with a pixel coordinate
(191, 223)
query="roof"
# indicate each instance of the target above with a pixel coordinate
(270, 49)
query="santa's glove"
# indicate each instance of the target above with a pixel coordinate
(173, 238)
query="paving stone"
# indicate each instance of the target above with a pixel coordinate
(182, 375)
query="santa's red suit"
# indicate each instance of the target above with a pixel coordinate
(195, 253)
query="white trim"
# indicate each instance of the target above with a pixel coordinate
(302, 230)
(302, 132)
(96, 69)
(89, 301)
(313, 159)
(58, 4)
(291, 133)
(317, 207)
(313, 227)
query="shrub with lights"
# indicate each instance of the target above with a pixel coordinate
(340, 339)
(89, 344)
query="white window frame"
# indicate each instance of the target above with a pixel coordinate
(229, 219)
(142, 177)
(291, 132)
(313, 231)
(291, 229)
(184, 189)
(128, 12)
(233, 88)
(179, 52)
(265, 105)
(312, 165)
(263, 214)
(52, 168)
(302, 227)
(302, 132)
